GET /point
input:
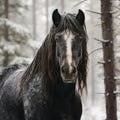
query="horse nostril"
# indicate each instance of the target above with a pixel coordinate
(65, 70)
(74, 70)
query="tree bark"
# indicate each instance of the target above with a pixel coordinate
(93, 56)
(6, 4)
(6, 32)
(47, 16)
(108, 54)
(62, 5)
(34, 19)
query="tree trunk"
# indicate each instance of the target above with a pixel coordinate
(62, 5)
(108, 53)
(93, 56)
(34, 19)
(6, 32)
(6, 4)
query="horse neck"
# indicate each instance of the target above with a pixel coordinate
(64, 90)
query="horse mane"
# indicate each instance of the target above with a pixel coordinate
(45, 61)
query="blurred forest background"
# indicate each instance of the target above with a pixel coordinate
(24, 25)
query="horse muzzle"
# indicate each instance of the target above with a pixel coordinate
(69, 73)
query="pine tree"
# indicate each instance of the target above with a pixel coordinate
(108, 53)
(13, 36)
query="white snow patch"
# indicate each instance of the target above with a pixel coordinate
(10, 47)
(94, 112)
(14, 27)
(34, 43)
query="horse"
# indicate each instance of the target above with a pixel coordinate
(46, 88)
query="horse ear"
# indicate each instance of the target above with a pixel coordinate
(56, 17)
(80, 17)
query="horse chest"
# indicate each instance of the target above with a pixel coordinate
(62, 109)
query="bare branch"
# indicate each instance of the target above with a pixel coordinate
(116, 92)
(117, 7)
(117, 18)
(104, 41)
(79, 3)
(94, 12)
(95, 51)
(117, 78)
(101, 62)
(113, 12)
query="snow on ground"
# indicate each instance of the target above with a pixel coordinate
(93, 113)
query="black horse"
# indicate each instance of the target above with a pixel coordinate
(46, 89)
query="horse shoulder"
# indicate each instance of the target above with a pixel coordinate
(35, 99)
